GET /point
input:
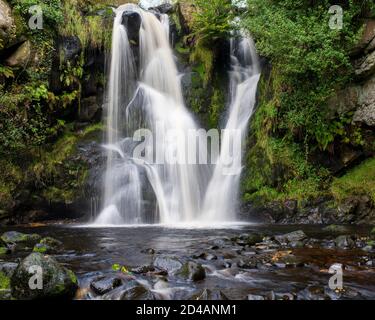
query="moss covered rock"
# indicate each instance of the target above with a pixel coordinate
(57, 281)
(18, 237)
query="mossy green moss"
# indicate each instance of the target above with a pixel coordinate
(359, 181)
(4, 282)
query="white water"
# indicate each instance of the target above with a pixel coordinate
(138, 192)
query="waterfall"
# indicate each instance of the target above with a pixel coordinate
(144, 95)
(222, 193)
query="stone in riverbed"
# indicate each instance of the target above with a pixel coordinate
(192, 271)
(48, 245)
(57, 280)
(104, 284)
(167, 263)
(130, 290)
(344, 242)
(18, 237)
(208, 294)
(292, 236)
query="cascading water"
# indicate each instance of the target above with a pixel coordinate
(138, 190)
(222, 193)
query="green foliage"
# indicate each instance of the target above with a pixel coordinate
(359, 181)
(312, 61)
(6, 72)
(51, 9)
(212, 20)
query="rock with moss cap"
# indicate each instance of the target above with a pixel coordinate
(18, 238)
(192, 271)
(58, 281)
(48, 245)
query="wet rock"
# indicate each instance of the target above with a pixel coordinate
(167, 263)
(8, 268)
(148, 251)
(132, 21)
(192, 271)
(143, 269)
(344, 242)
(14, 237)
(287, 259)
(292, 236)
(328, 244)
(296, 244)
(163, 8)
(208, 294)
(21, 56)
(255, 297)
(58, 281)
(104, 284)
(48, 245)
(205, 256)
(130, 290)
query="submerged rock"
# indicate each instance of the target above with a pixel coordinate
(57, 281)
(130, 290)
(336, 228)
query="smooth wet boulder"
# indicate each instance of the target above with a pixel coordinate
(168, 263)
(132, 21)
(344, 242)
(105, 284)
(292, 236)
(192, 271)
(7, 25)
(57, 281)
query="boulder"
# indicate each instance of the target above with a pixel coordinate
(48, 246)
(16, 237)
(192, 271)
(57, 281)
(292, 236)
(167, 263)
(21, 56)
(130, 290)
(132, 21)
(104, 284)
(344, 242)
